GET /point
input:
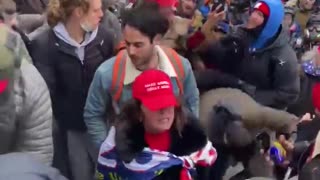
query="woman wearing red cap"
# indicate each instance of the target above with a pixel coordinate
(153, 138)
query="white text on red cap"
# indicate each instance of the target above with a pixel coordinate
(157, 85)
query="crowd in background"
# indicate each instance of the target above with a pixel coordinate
(159, 89)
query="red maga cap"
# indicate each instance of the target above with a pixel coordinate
(154, 89)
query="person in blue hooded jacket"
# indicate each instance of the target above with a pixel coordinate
(258, 55)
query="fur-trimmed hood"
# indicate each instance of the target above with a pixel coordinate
(254, 115)
(130, 141)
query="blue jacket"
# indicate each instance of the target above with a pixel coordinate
(99, 99)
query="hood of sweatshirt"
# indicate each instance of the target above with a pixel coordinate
(62, 33)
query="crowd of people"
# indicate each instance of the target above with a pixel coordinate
(159, 89)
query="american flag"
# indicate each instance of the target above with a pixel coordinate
(149, 163)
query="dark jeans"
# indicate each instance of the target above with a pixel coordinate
(60, 157)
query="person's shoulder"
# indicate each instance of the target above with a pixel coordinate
(281, 49)
(107, 37)
(40, 31)
(106, 68)
(110, 18)
(42, 37)
(185, 62)
(34, 84)
(32, 91)
(105, 33)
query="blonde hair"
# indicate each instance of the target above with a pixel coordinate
(61, 10)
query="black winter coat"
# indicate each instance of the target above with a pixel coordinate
(273, 71)
(67, 78)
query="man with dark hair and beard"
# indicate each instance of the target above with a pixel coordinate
(143, 28)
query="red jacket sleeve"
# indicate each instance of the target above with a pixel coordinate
(195, 40)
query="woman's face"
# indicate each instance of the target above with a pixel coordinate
(91, 20)
(255, 19)
(157, 121)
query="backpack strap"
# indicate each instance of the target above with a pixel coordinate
(176, 62)
(118, 74)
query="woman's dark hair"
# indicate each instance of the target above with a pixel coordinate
(147, 19)
(131, 113)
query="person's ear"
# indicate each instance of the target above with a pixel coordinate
(78, 12)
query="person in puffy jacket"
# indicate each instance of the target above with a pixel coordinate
(269, 64)
(25, 105)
